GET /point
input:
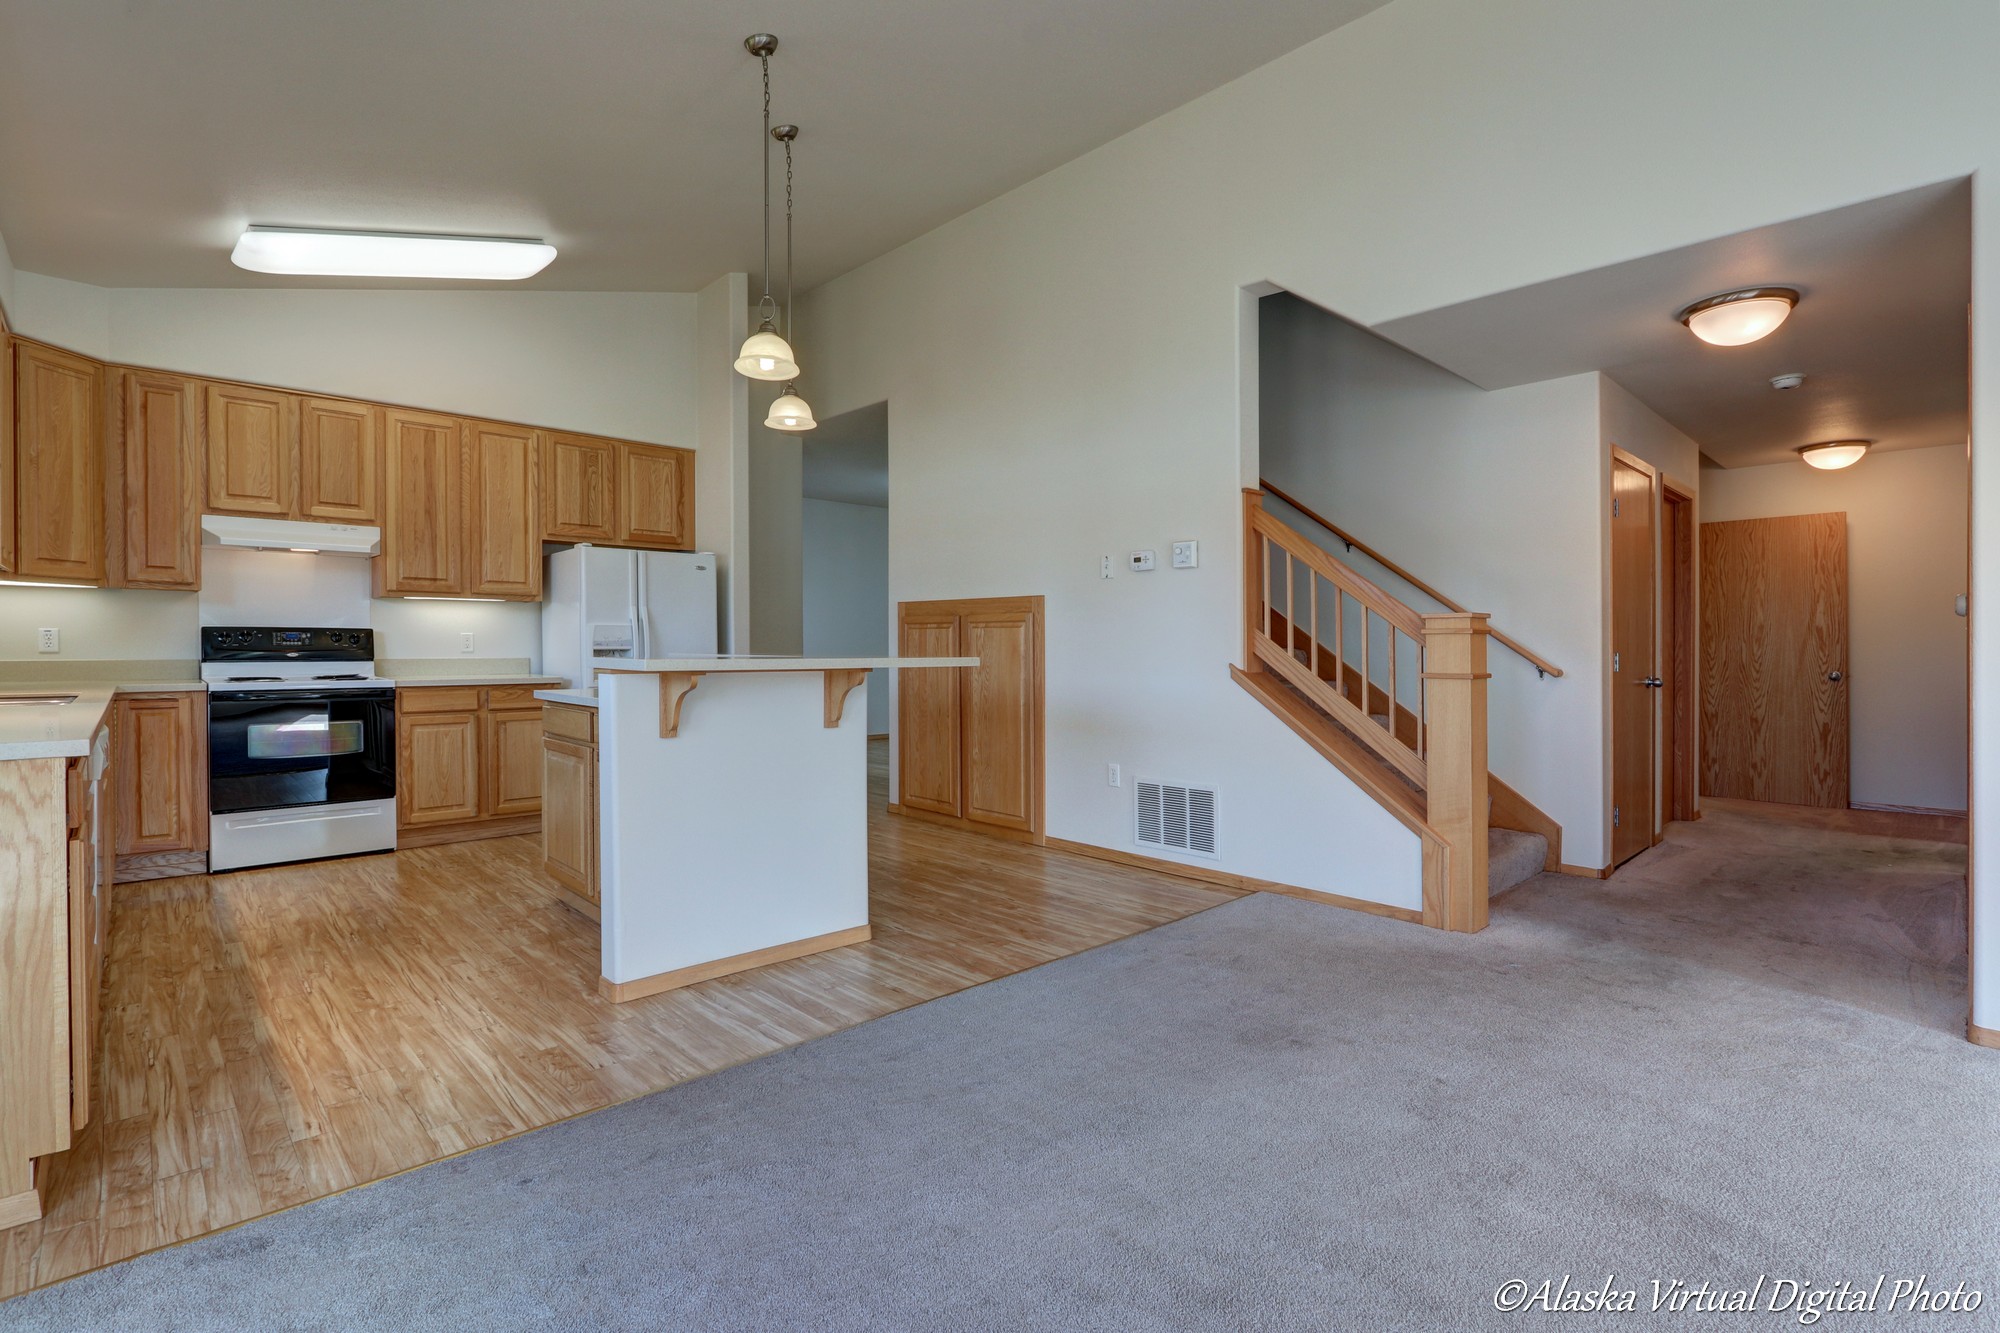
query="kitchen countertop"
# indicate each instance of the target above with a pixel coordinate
(53, 731)
(421, 682)
(581, 698)
(776, 662)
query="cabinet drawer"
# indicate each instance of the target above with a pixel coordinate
(438, 699)
(512, 696)
(570, 722)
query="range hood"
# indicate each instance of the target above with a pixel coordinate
(281, 534)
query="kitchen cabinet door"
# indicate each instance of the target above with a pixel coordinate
(511, 753)
(655, 496)
(1001, 723)
(569, 815)
(59, 465)
(340, 451)
(161, 458)
(503, 529)
(160, 757)
(928, 733)
(9, 547)
(579, 488)
(423, 519)
(252, 448)
(437, 768)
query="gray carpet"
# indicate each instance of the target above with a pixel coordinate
(1272, 1115)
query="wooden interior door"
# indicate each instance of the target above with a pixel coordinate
(1634, 670)
(1680, 713)
(969, 742)
(1774, 660)
(928, 727)
(1001, 738)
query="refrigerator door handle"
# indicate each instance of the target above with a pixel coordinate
(639, 613)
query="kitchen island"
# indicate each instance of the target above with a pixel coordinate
(731, 812)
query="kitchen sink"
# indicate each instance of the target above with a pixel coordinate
(35, 700)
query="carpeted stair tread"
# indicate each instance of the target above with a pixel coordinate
(1512, 856)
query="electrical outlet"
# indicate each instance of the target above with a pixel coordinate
(1115, 776)
(465, 642)
(1142, 560)
(48, 641)
(1104, 571)
(1184, 555)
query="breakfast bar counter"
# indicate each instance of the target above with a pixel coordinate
(732, 811)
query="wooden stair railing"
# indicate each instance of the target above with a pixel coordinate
(1542, 665)
(1410, 688)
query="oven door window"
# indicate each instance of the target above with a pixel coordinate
(274, 750)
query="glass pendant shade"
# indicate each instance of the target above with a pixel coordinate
(1737, 318)
(766, 356)
(1834, 454)
(790, 413)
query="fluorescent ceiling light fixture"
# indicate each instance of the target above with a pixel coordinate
(1732, 319)
(388, 254)
(1834, 454)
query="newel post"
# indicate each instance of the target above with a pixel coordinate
(1455, 679)
(1253, 580)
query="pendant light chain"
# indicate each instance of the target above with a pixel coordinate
(765, 355)
(788, 234)
(765, 148)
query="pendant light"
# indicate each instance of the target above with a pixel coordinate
(789, 412)
(765, 354)
(1732, 319)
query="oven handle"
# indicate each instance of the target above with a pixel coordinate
(270, 821)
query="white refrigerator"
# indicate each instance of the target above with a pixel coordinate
(601, 604)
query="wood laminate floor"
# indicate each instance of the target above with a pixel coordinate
(272, 1036)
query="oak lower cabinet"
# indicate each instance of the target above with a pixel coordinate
(58, 530)
(467, 765)
(969, 742)
(569, 804)
(54, 866)
(160, 754)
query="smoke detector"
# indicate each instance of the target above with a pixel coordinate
(1787, 381)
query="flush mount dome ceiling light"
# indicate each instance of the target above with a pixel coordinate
(317, 252)
(1833, 454)
(1731, 319)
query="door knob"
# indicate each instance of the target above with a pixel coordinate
(1653, 683)
(1835, 676)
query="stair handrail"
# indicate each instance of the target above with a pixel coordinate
(1543, 667)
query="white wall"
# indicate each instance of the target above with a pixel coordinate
(846, 602)
(1485, 496)
(1906, 542)
(1064, 361)
(68, 314)
(777, 479)
(722, 471)
(6, 280)
(1637, 429)
(99, 624)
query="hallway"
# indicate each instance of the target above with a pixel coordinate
(1845, 906)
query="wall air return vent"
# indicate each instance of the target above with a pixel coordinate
(1180, 818)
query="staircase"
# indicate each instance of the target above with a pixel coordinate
(1396, 700)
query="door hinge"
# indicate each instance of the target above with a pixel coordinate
(1614, 662)
(1614, 816)
(1614, 509)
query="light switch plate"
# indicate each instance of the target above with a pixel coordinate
(1104, 570)
(1115, 775)
(1184, 555)
(1144, 559)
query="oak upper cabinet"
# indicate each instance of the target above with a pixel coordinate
(160, 759)
(252, 450)
(339, 452)
(503, 553)
(655, 496)
(579, 488)
(58, 465)
(161, 460)
(423, 501)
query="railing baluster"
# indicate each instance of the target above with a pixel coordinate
(1264, 564)
(1339, 640)
(1312, 599)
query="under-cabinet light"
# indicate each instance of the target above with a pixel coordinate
(386, 254)
(441, 597)
(30, 583)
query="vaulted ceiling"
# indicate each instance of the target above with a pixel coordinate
(137, 137)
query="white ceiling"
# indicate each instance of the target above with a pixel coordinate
(847, 458)
(1879, 332)
(137, 137)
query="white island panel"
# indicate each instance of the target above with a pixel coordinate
(745, 831)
